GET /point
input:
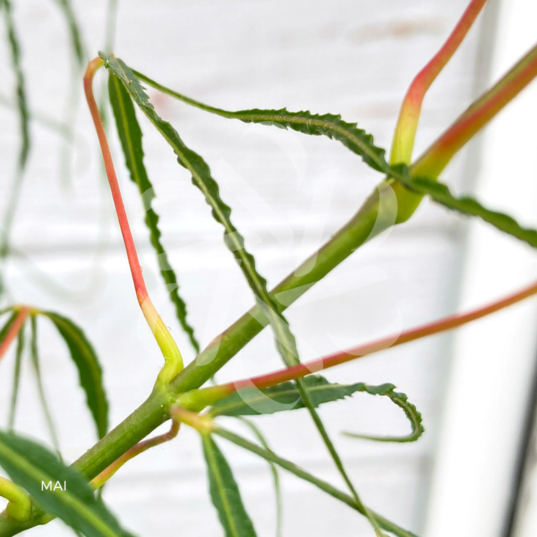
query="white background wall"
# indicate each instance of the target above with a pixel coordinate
(289, 194)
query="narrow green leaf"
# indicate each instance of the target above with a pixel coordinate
(16, 379)
(130, 136)
(331, 125)
(202, 178)
(275, 475)
(33, 467)
(79, 55)
(40, 387)
(89, 368)
(469, 206)
(74, 31)
(225, 492)
(362, 144)
(285, 396)
(22, 106)
(306, 476)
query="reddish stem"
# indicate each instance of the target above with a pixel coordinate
(434, 160)
(411, 107)
(134, 263)
(15, 328)
(170, 351)
(211, 394)
(134, 451)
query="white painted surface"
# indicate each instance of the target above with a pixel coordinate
(289, 194)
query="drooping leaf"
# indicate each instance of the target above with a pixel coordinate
(74, 31)
(40, 388)
(225, 492)
(16, 379)
(331, 125)
(15, 49)
(285, 396)
(130, 136)
(33, 467)
(22, 106)
(270, 456)
(362, 144)
(89, 368)
(202, 178)
(79, 55)
(275, 474)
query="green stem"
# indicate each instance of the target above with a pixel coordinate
(197, 400)
(407, 124)
(172, 355)
(375, 216)
(144, 420)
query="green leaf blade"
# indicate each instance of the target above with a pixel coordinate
(89, 368)
(286, 396)
(34, 352)
(16, 378)
(361, 143)
(330, 125)
(202, 178)
(130, 136)
(29, 465)
(225, 492)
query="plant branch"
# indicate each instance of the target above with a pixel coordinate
(407, 124)
(373, 218)
(134, 451)
(172, 356)
(436, 158)
(20, 505)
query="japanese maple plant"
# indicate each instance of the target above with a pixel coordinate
(185, 396)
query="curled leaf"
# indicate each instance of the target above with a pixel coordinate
(286, 396)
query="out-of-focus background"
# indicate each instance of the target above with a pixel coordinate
(473, 472)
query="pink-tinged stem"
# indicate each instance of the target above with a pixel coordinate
(407, 124)
(15, 328)
(435, 159)
(196, 400)
(172, 356)
(105, 475)
(136, 271)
